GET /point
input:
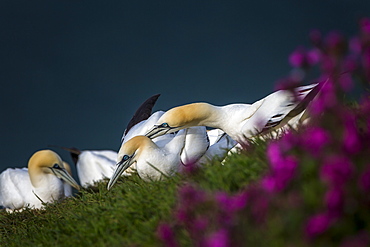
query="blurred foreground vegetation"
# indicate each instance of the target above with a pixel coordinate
(127, 215)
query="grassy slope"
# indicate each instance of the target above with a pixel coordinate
(127, 215)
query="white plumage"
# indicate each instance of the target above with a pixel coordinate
(154, 161)
(40, 183)
(240, 121)
(220, 145)
(95, 165)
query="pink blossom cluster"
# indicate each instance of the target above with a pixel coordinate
(335, 147)
(282, 169)
(337, 140)
(208, 218)
(319, 176)
(334, 57)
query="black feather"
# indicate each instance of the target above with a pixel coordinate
(301, 106)
(142, 113)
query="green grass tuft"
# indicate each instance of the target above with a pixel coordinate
(128, 214)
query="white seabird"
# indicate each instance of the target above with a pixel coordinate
(40, 183)
(154, 161)
(240, 121)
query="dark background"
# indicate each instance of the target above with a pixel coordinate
(73, 72)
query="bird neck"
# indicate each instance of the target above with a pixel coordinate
(36, 176)
(140, 144)
(47, 187)
(40, 178)
(204, 114)
(212, 116)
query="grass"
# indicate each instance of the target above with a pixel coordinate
(128, 214)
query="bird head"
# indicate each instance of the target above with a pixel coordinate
(126, 157)
(178, 118)
(48, 162)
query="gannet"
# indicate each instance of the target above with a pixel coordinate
(95, 165)
(142, 120)
(240, 121)
(154, 161)
(40, 183)
(92, 165)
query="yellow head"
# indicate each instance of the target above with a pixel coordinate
(48, 162)
(126, 155)
(42, 160)
(181, 117)
(132, 146)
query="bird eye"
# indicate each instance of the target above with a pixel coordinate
(165, 125)
(125, 157)
(55, 166)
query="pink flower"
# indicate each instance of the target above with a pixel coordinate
(200, 224)
(231, 203)
(351, 139)
(334, 201)
(350, 64)
(275, 183)
(219, 238)
(334, 38)
(269, 183)
(327, 64)
(364, 181)
(282, 167)
(313, 56)
(223, 199)
(335, 43)
(298, 58)
(259, 203)
(337, 170)
(314, 139)
(183, 215)
(165, 233)
(239, 201)
(274, 153)
(286, 165)
(365, 25)
(326, 99)
(288, 141)
(317, 225)
(189, 196)
(355, 45)
(280, 175)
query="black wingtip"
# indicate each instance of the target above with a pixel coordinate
(143, 112)
(307, 100)
(277, 119)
